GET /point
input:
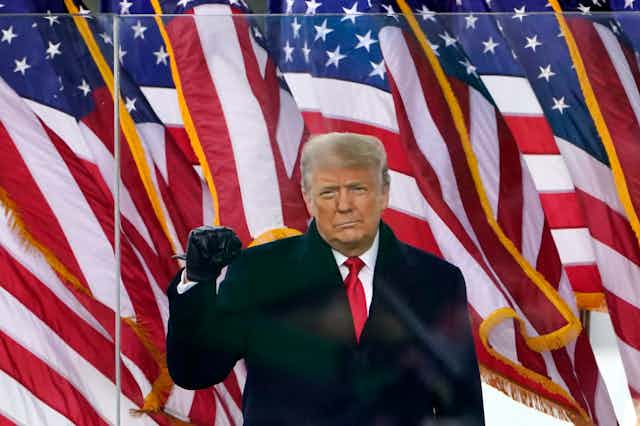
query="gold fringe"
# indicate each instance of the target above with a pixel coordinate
(274, 234)
(17, 224)
(155, 400)
(531, 399)
(592, 302)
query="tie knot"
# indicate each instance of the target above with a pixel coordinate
(355, 264)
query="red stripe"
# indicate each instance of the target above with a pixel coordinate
(584, 278)
(203, 408)
(411, 230)
(563, 210)
(548, 261)
(586, 370)
(209, 121)
(5, 421)
(625, 318)
(510, 201)
(71, 328)
(614, 103)
(181, 138)
(532, 134)
(566, 371)
(610, 227)
(397, 155)
(45, 383)
(529, 358)
(32, 206)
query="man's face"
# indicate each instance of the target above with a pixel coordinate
(346, 204)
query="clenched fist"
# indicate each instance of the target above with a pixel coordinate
(209, 249)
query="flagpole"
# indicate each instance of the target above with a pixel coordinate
(116, 196)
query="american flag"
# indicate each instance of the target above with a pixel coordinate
(363, 73)
(582, 194)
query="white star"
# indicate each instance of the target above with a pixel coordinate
(161, 55)
(546, 72)
(365, 41)
(53, 50)
(596, 2)
(586, 10)
(559, 105)
(435, 48)
(378, 69)
(519, 13)
(426, 13)
(471, 70)
(490, 46)
(390, 12)
(288, 52)
(124, 7)
(138, 30)
(121, 53)
(448, 40)
(86, 13)
(312, 5)
(305, 52)
(8, 35)
(85, 87)
(334, 57)
(52, 19)
(322, 31)
(532, 43)
(295, 26)
(628, 4)
(106, 38)
(184, 3)
(256, 33)
(130, 104)
(471, 21)
(290, 6)
(351, 14)
(21, 65)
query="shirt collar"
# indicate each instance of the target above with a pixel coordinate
(368, 257)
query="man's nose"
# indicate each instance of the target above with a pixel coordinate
(344, 201)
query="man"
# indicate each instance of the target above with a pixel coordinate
(344, 325)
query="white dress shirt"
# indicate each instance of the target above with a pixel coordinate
(365, 275)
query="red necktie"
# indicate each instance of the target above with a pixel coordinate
(355, 293)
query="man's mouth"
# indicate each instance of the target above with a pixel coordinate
(349, 224)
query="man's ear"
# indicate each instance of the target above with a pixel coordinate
(385, 194)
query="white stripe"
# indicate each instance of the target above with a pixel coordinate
(603, 405)
(532, 217)
(161, 298)
(45, 344)
(221, 416)
(552, 371)
(623, 71)
(104, 161)
(137, 374)
(232, 406)
(63, 125)
(247, 128)
(619, 275)
(86, 238)
(179, 402)
(426, 133)
(34, 262)
(153, 138)
(574, 245)
(24, 408)
(590, 175)
(290, 130)
(343, 100)
(549, 172)
(164, 102)
(261, 55)
(512, 95)
(240, 370)
(631, 360)
(486, 145)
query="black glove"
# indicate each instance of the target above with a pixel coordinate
(209, 249)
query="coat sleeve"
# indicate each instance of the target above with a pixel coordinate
(207, 332)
